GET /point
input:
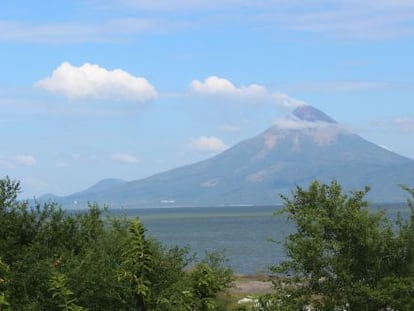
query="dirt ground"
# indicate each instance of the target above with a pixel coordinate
(251, 285)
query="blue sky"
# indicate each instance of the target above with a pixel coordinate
(125, 89)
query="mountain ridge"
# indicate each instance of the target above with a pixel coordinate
(305, 146)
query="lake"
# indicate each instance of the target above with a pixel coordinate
(245, 233)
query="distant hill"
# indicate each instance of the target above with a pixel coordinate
(104, 185)
(90, 192)
(305, 146)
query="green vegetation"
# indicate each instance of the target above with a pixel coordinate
(342, 255)
(51, 260)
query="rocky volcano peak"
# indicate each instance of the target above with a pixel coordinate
(311, 114)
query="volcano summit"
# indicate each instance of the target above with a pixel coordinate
(304, 146)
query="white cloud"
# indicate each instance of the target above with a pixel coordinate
(287, 101)
(349, 19)
(404, 124)
(360, 20)
(13, 162)
(91, 81)
(212, 144)
(174, 5)
(215, 86)
(26, 160)
(125, 158)
(293, 123)
(72, 32)
(186, 5)
(219, 86)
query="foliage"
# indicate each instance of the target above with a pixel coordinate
(4, 269)
(138, 265)
(343, 255)
(63, 296)
(53, 260)
(207, 279)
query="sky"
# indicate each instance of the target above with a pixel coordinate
(95, 89)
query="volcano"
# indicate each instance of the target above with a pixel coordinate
(305, 146)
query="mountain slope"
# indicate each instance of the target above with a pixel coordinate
(307, 145)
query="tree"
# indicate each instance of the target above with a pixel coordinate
(343, 254)
(9, 189)
(4, 269)
(63, 296)
(208, 278)
(138, 263)
(53, 260)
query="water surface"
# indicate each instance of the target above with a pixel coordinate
(247, 234)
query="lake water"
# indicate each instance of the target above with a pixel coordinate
(245, 233)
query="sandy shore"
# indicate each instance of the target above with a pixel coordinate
(251, 285)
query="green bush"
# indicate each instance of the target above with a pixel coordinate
(344, 255)
(51, 260)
